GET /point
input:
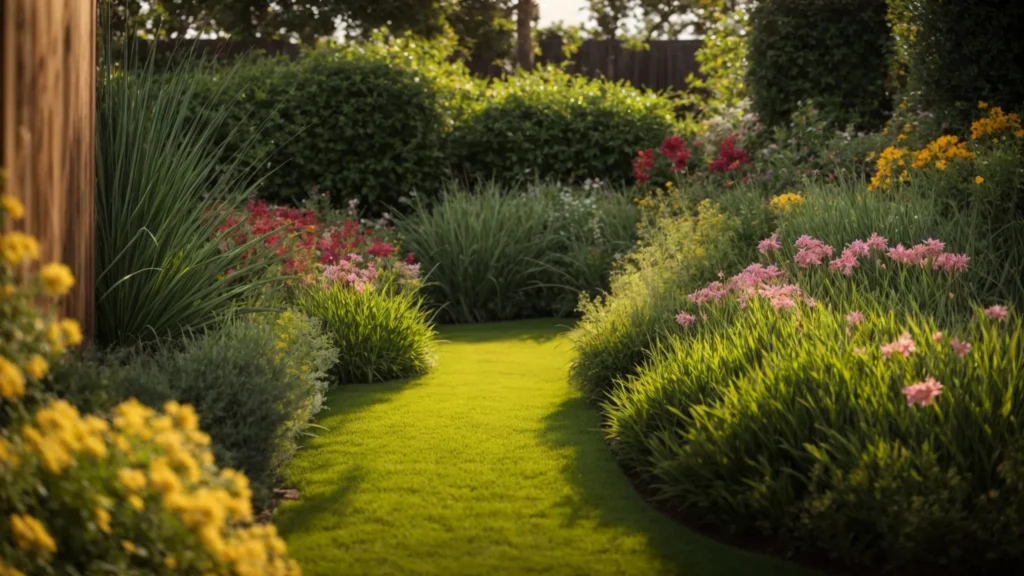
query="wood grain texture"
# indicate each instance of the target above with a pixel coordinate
(48, 108)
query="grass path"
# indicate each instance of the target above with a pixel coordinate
(490, 465)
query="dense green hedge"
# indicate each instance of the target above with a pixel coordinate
(556, 126)
(344, 121)
(835, 52)
(965, 51)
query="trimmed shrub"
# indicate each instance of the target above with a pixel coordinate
(676, 253)
(343, 120)
(381, 332)
(964, 51)
(494, 254)
(256, 382)
(834, 52)
(554, 126)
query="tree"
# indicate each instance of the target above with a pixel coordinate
(656, 19)
(524, 34)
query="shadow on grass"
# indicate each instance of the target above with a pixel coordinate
(604, 493)
(535, 330)
(312, 511)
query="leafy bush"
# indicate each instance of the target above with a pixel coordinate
(555, 126)
(159, 200)
(964, 51)
(256, 383)
(136, 494)
(868, 436)
(834, 52)
(139, 493)
(381, 332)
(676, 252)
(497, 255)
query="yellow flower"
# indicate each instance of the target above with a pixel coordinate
(907, 128)
(131, 479)
(55, 337)
(941, 164)
(102, 519)
(136, 502)
(8, 290)
(982, 105)
(978, 179)
(784, 202)
(30, 534)
(1019, 133)
(14, 208)
(170, 562)
(17, 247)
(72, 331)
(7, 570)
(901, 137)
(668, 184)
(57, 278)
(12, 381)
(36, 367)
(7, 455)
(128, 546)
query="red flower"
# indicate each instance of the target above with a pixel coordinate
(410, 258)
(642, 164)
(381, 249)
(729, 156)
(674, 148)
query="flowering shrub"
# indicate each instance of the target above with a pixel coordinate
(784, 202)
(138, 493)
(677, 154)
(899, 437)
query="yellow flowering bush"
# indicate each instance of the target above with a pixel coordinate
(138, 493)
(29, 337)
(890, 167)
(785, 202)
(996, 124)
(941, 151)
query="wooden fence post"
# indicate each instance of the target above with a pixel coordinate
(47, 120)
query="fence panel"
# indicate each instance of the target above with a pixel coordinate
(47, 131)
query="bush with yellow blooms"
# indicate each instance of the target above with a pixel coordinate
(137, 492)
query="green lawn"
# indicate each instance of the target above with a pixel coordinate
(490, 465)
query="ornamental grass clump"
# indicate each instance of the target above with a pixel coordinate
(824, 416)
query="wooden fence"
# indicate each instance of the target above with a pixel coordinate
(666, 65)
(47, 131)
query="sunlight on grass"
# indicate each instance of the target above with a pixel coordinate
(492, 464)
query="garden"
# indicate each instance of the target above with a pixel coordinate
(363, 311)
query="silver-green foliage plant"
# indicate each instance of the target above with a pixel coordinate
(381, 331)
(161, 197)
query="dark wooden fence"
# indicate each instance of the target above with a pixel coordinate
(665, 66)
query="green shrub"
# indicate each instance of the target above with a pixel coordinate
(554, 126)
(497, 255)
(255, 382)
(159, 201)
(965, 51)
(674, 255)
(381, 333)
(834, 52)
(793, 424)
(344, 121)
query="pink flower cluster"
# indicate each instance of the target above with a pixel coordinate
(961, 348)
(997, 313)
(348, 273)
(686, 320)
(811, 252)
(850, 258)
(930, 252)
(756, 280)
(769, 244)
(904, 345)
(923, 393)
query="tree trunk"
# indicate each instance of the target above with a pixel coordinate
(524, 32)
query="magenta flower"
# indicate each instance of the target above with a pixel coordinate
(997, 313)
(923, 393)
(903, 345)
(961, 348)
(686, 320)
(769, 244)
(854, 318)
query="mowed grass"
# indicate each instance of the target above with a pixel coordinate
(490, 465)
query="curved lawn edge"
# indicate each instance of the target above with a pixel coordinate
(491, 464)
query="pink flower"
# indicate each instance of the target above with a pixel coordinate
(937, 337)
(951, 263)
(858, 248)
(845, 263)
(713, 292)
(876, 242)
(931, 248)
(961, 348)
(854, 318)
(923, 393)
(997, 313)
(686, 320)
(903, 345)
(811, 251)
(904, 255)
(769, 244)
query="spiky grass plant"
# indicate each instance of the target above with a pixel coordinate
(162, 192)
